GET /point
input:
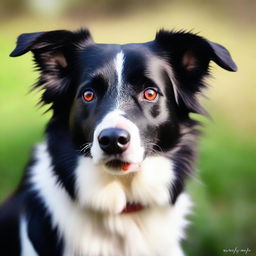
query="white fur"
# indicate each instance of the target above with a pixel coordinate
(93, 226)
(119, 62)
(134, 152)
(104, 192)
(27, 248)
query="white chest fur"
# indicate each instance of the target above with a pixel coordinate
(93, 226)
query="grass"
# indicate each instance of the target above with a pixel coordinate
(223, 190)
(223, 193)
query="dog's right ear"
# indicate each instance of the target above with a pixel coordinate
(53, 53)
(25, 43)
(56, 45)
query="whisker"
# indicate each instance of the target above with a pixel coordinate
(156, 146)
(85, 147)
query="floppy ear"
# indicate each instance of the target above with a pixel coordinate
(189, 56)
(53, 53)
(222, 57)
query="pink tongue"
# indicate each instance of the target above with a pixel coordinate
(132, 207)
(130, 167)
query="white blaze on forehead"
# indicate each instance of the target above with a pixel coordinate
(119, 62)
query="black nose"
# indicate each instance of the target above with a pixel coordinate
(114, 140)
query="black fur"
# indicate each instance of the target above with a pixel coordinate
(67, 62)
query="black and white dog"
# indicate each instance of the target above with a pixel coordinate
(109, 178)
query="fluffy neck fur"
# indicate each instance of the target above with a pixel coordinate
(90, 232)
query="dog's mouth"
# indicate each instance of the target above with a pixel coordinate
(133, 207)
(118, 165)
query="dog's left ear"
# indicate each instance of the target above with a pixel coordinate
(192, 52)
(221, 56)
(189, 56)
(54, 53)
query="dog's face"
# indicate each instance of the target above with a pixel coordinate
(122, 103)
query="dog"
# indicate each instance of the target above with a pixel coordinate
(109, 179)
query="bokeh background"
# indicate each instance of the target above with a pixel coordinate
(224, 189)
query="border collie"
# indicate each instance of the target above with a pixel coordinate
(109, 178)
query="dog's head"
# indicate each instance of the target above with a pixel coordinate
(122, 103)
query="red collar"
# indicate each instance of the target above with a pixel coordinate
(133, 207)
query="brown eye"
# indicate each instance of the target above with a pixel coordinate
(88, 95)
(150, 94)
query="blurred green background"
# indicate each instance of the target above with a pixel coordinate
(224, 189)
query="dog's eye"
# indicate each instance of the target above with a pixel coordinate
(150, 94)
(88, 95)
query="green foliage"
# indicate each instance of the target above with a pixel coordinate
(224, 193)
